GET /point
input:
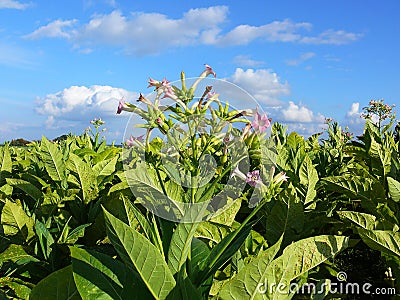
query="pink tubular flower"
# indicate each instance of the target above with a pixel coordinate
(121, 106)
(253, 178)
(169, 93)
(261, 122)
(280, 177)
(157, 84)
(132, 140)
(209, 71)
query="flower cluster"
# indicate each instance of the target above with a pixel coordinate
(377, 111)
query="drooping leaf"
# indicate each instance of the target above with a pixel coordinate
(58, 285)
(142, 255)
(382, 240)
(5, 164)
(308, 177)
(87, 177)
(26, 187)
(296, 260)
(16, 222)
(394, 189)
(20, 288)
(364, 220)
(99, 276)
(53, 160)
(245, 283)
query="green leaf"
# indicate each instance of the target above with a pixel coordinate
(139, 252)
(147, 187)
(245, 283)
(58, 285)
(15, 253)
(222, 252)
(382, 240)
(99, 276)
(364, 220)
(53, 160)
(308, 177)
(182, 237)
(45, 238)
(21, 288)
(5, 164)
(394, 189)
(26, 187)
(87, 177)
(16, 222)
(297, 259)
(105, 167)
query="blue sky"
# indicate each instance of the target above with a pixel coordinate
(65, 63)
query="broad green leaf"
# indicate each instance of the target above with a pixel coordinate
(5, 163)
(45, 238)
(15, 253)
(394, 189)
(21, 288)
(150, 229)
(364, 220)
(87, 177)
(296, 260)
(356, 187)
(222, 252)
(308, 177)
(244, 284)
(99, 276)
(214, 232)
(58, 285)
(53, 160)
(229, 211)
(147, 187)
(16, 222)
(26, 187)
(105, 167)
(182, 238)
(382, 240)
(139, 252)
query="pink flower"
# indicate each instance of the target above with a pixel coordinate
(209, 71)
(121, 106)
(132, 140)
(169, 93)
(157, 84)
(210, 95)
(253, 178)
(261, 122)
(280, 177)
(158, 120)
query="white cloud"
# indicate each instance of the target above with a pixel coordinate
(13, 4)
(353, 116)
(77, 103)
(282, 31)
(301, 114)
(152, 33)
(332, 37)
(303, 57)
(52, 30)
(263, 84)
(247, 61)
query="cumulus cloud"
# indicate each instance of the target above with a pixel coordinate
(353, 116)
(303, 57)
(301, 114)
(141, 33)
(78, 103)
(13, 4)
(263, 84)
